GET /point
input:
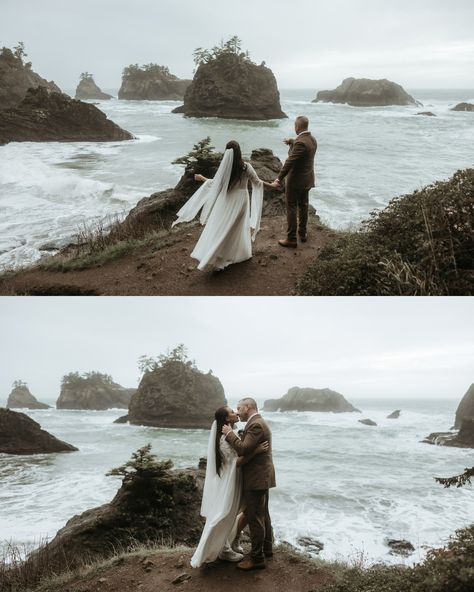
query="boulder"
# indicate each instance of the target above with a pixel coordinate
(45, 116)
(394, 414)
(159, 209)
(427, 114)
(463, 107)
(400, 547)
(312, 546)
(309, 399)
(93, 391)
(465, 407)
(19, 434)
(157, 505)
(21, 398)
(87, 89)
(16, 78)
(367, 422)
(362, 92)
(462, 439)
(151, 83)
(231, 86)
(176, 395)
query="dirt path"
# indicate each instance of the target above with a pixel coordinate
(169, 270)
(157, 572)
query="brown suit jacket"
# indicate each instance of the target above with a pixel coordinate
(259, 472)
(299, 166)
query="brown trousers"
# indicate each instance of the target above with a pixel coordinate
(297, 202)
(260, 525)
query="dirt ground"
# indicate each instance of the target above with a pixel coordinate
(169, 270)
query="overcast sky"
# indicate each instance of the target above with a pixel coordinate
(361, 347)
(307, 43)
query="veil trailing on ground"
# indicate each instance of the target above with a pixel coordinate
(206, 196)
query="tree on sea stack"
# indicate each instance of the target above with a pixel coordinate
(228, 84)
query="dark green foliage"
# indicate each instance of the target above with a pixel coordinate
(134, 71)
(203, 154)
(177, 355)
(19, 384)
(143, 464)
(450, 569)
(75, 378)
(457, 480)
(87, 76)
(231, 47)
(421, 244)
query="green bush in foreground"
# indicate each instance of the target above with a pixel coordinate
(421, 244)
(450, 569)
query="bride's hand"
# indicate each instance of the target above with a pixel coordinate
(263, 447)
(200, 178)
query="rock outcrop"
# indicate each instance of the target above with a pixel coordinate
(159, 209)
(87, 89)
(463, 107)
(231, 86)
(465, 408)
(427, 114)
(309, 399)
(363, 92)
(151, 83)
(394, 414)
(176, 395)
(402, 547)
(19, 434)
(45, 116)
(368, 422)
(93, 391)
(155, 505)
(462, 439)
(16, 78)
(21, 398)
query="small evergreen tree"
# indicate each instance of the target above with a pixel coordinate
(177, 355)
(86, 76)
(457, 480)
(143, 464)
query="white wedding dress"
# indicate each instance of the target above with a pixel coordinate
(221, 501)
(227, 215)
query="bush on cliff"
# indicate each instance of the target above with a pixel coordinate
(421, 244)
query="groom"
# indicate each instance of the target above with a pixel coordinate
(258, 477)
(299, 173)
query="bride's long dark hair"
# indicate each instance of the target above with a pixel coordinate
(221, 419)
(238, 165)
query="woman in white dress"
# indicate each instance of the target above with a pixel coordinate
(226, 212)
(222, 495)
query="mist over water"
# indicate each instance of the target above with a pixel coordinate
(366, 156)
(348, 485)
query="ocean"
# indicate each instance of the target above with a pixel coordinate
(345, 484)
(366, 156)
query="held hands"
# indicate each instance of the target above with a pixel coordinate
(275, 185)
(200, 178)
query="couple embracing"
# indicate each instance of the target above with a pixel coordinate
(230, 222)
(239, 475)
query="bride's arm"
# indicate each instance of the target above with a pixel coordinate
(200, 178)
(261, 448)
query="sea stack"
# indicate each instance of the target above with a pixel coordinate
(21, 398)
(363, 92)
(87, 89)
(174, 393)
(151, 82)
(469, 107)
(92, 391)
(19, 434)
(310, 399)
(465, 408)
(227, 84)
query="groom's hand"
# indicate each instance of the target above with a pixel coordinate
(226, 430)
(288, 141)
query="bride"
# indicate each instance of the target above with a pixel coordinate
(226, 212)
(222, 495)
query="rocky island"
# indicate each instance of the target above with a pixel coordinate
(21, 398)
(151, 82)
(227, 84)
(310, 399)
(363, 92)
(464, 107)
(92, 391)
(174, 393)
(19, 434)
(87, 89)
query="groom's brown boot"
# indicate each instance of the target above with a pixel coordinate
(289, 244)
(249, 565)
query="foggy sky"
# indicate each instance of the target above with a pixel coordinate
(307, 43)
(361, 347)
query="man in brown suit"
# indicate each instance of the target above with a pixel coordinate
(258, 477)
(299, 173)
